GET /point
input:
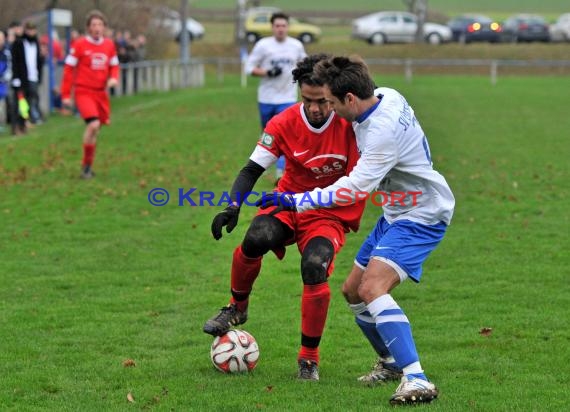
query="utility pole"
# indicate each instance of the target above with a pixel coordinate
(421, 13)
(240, 37)
(419, 8)
(184, 43)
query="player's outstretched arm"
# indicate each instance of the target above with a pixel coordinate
(242, 186)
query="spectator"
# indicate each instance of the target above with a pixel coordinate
(26, 74)
(57, 49)
(15, 30)
(273, 58)
(5, 76)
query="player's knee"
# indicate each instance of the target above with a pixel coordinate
(317, 257)
(261, 236)
(93, 125)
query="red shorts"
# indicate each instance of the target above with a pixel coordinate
(308, 225)
(93, 104)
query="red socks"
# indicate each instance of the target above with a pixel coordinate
(88, 154)
(314, 309)
(314, 304)
(244, 273)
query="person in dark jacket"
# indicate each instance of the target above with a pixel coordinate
(27, 65)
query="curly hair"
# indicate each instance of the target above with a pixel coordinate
(345, 75)
(304, 72)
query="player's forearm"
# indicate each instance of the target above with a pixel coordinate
(259, 72)
(245, 181)
(364, 178)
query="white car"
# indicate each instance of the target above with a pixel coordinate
(397, 27)
(169, 20)
(560, 31)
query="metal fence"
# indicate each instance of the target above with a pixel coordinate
(146, 76)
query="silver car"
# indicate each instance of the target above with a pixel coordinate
(396, 27)
(560, 31)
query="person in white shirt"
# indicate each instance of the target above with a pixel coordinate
(273, 59)
(417, 204)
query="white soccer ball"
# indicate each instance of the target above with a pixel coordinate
(234, 352)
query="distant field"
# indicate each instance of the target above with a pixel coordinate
(92, 275)
(336, 39)
(494, 7)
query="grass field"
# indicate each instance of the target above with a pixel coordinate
(445, 6)
(92, 275)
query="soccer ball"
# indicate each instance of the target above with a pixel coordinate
(236, 351)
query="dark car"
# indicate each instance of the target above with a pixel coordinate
(526, 27)
(471, 28)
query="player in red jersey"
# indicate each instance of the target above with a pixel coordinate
(319, 147)
(90, 69)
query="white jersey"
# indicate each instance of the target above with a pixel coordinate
(394, 159)
(268, 53)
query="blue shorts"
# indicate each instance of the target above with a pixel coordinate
(267, 111)
(405, 243)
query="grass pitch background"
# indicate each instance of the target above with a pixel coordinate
(91, 274)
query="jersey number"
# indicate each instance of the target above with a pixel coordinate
(426, 148)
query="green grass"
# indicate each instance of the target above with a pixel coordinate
(445, 6)
(92, 275)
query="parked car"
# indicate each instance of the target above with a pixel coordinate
(560, 31)
(396, 27)
(258, 25)
(168, 20)
(476, 27)
(526, 27)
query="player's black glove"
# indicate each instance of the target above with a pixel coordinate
(228, 218)
(283, 201)
(274, 72)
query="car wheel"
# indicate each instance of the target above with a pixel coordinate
(377, 38)
(251, 37)
(434, 38)
(306, 38)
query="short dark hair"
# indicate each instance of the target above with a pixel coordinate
(346, 75)
(95, 14)
(279, 15)
(304, 72)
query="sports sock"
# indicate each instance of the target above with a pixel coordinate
(244, 273)
(394, 328)
(314, 307)
(88, 154)
(368, 326)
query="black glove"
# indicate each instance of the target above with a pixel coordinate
(227, 217)
(274, 72)
(283, 201)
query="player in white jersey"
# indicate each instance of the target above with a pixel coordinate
(273, 59)
(395, 158)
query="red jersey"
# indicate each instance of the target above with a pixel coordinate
(89, 65)
(314, 157)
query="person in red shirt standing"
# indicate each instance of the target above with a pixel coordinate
(91, 68)
(319, 147)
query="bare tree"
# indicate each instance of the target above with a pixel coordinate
(419, 8)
